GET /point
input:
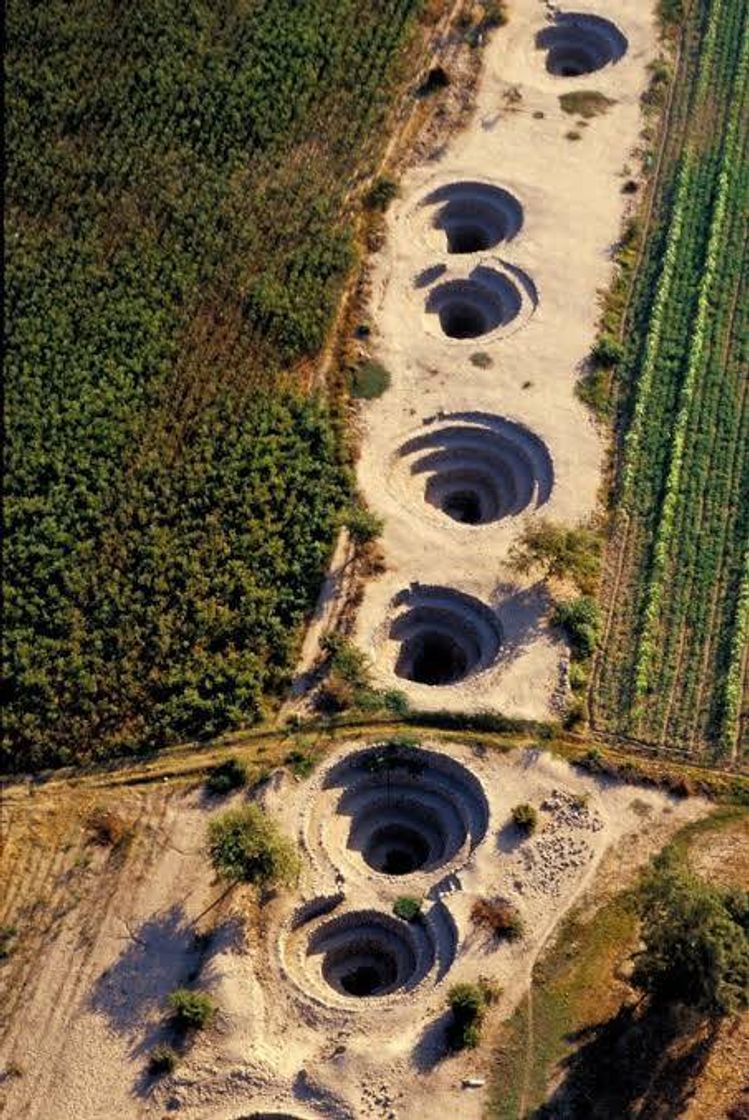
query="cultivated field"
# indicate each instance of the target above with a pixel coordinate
(180, 194)
(673, 665)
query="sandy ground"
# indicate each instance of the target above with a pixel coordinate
(570, 191)
(85, 1005)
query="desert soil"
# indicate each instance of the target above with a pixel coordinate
(105, 934)
(573, 209)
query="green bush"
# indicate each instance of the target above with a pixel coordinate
(228, 775)
(525, 818)
(246, 846)
(363, 525)
(582, 623)
(407, 908)
(191, 1010)
(163, 1059)
(607, 352)
(369, 380)
(381, 193)
(301, 762)
(467, 1003)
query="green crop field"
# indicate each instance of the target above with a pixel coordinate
(179, 196)
(672, 669)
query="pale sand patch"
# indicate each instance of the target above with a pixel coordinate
(572, 212)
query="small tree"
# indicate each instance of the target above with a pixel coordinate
(245, 846)
(467, 1003)
(696, 939)
(191, 1010)
(525, 818)
(559, 552)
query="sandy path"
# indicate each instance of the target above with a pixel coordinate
(573, 207)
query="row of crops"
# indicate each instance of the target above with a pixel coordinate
(178, 192)
(673, 668)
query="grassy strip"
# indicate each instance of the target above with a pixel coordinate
(575, 988)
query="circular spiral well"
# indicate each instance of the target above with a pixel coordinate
(474, 216)
(364, 954)
(411, 810)
(579, 44)
(491, 297)
(444, 636)
(475, 468)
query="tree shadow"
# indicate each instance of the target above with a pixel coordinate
(644, 1062)
(163, 953)
(432, 1045)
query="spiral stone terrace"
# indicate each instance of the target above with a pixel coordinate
(578, 44)
(471, 217)
(411, 812)
(443, 636)
(474, 468)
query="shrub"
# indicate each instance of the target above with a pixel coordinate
(499, 916)
(559, 552)
(467, 1003)
(481, 360)
(163, 1059)
(607, 352)
(381, 193)
(396, 701)
(582, 623)
(363, 525)
(495, 14)
(594, 389)
(8, 935)
(525, 818)
(301, 762)
(108, 828)
(585, 103)
(369, 380)
(191, 1010)
(696, 939)
(437, 79)
(246, 846)
(407, 907)
(349, 675)
(228, 775)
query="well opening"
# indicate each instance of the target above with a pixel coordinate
(434, 658)
(396, 849)
(462, 320)
(467, 239)
(464, 506)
